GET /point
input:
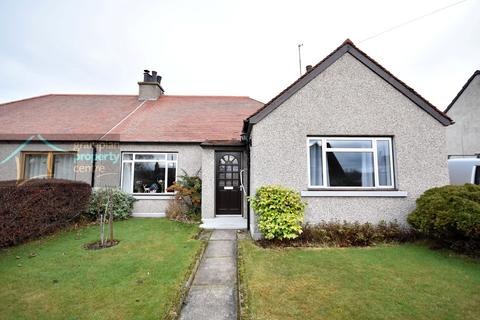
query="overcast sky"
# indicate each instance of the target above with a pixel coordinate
(227, 47)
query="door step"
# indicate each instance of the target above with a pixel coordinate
(238, 223)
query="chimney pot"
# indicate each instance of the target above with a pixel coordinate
(146, 75)
(309, 68)
(150, 88)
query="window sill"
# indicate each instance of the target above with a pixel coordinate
(160, 196)
(355, 193)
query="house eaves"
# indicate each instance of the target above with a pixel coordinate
(346, 47)
(465, 86)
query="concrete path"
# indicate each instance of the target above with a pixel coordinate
(213, 294)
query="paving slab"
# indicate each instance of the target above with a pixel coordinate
(213, 294)
(211, 303)
(215, 271)
(224, 235)
(221, 248)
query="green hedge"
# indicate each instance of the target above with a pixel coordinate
(280, 212)
(449, 214)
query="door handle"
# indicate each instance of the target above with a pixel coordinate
(241, 182)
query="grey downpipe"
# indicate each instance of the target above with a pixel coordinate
(248, 184)
(94, 163)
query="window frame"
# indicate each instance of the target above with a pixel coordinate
(50, 162)
(133, 160)
(373, 149)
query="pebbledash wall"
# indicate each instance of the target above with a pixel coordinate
(10, 169)
(349, 99)
(463, 137)
(191, 158)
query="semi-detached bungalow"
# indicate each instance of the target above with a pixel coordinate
(354, 140)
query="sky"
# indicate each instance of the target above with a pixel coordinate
(227, 47)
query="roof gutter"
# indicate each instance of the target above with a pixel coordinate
(246, 131)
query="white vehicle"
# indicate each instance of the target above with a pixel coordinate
(464, 170)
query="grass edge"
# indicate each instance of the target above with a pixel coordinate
(173, 311)
(244, 309)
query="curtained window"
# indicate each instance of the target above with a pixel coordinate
(316, 176)
(42, 165)
(36, 166)
(350, 162)
(151, 173)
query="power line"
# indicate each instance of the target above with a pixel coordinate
(412, 20)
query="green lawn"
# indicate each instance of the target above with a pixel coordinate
(406, 281)
(140, 278)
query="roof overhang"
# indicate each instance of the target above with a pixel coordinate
(465, 86)
(346, 47)
(222, 143)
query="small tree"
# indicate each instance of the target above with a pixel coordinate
(110, 220)
(104, 214)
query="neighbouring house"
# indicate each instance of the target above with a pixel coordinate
(355, 141)
(463, 137)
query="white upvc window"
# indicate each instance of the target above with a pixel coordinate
(350, 163)
(148, 173)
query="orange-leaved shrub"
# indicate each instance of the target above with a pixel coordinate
(187, 204)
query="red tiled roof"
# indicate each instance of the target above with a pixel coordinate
(90, 117)
(188, 119)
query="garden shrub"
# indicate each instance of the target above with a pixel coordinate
(449, 215)
(347, 234)
(121, 203)
(176, 210)
(34, 208)
(188, 198)
(280, 212)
